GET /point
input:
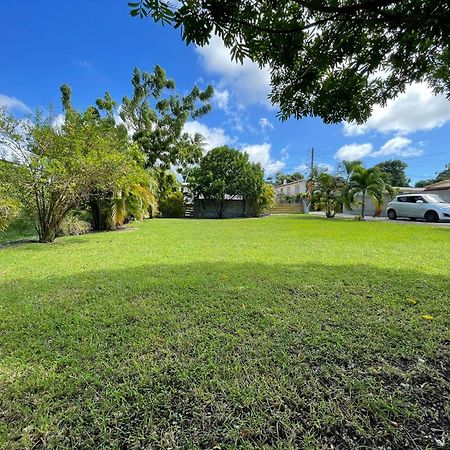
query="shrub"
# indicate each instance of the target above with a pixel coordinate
(9, 210)
(265, 200)
(172, 205)
(73, 226)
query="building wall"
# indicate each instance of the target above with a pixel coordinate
(208, 209)
(291, 189)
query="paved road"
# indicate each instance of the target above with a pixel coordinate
(385, 219)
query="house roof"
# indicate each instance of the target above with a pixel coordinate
(290, 183)
(440, 186)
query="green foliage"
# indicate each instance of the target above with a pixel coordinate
(172, 205)
(363, 183)
(265, 200)
(86, 159)
(394, 170)
(226, 173)
(444, 174)
(156, 117)
(9, 211)
(328, 194)
(330, 59)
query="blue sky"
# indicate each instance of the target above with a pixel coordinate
(95, 45)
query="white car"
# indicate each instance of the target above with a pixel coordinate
(430, 207)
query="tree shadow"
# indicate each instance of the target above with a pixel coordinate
(236, 355)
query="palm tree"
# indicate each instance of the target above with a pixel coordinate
(363, 183)
(327, 194)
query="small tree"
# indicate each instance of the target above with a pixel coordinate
(265, 200)
(363, 183)
(226, 173)
(328, 192)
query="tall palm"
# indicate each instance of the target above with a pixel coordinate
(365, 183)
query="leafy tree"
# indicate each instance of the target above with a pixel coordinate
(155, 116)
(395, 172)
(363, 183)
(59, 169)
(226, 173)
(328, 193)
(327, 58)
(128, 190)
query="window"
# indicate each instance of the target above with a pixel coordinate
(415, 199)
(402, 199)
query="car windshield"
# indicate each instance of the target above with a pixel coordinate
(433, 198)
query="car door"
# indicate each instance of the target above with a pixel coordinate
(401, 206)
(421, 207)
(409, 207)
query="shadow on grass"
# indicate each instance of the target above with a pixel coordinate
(233, 355)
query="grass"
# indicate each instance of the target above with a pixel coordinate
(282, 332)
(22, 229)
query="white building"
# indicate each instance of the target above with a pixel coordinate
(290, 189)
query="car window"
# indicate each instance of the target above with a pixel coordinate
(411, 199)
(420, 198)
(401, 199)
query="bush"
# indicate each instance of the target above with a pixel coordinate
(265, 200)
(172, 205)
(9, 210)
(73, 226)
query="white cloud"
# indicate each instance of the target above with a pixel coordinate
(214, 137)
(247, 81)
(417, 109)
(221, 98)
(351, 152)
(58, 121)
(13, 103)
(265, 124)
(398, 146)
(302, 168)
(324, 167)
(260, 153)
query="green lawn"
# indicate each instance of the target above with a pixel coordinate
(282, 332)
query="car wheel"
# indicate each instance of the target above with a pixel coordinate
(392, 215)
(431, 216)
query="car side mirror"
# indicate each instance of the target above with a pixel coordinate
(419, 201)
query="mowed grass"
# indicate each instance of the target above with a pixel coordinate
(282, 332)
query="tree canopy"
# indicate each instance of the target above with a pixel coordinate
(331, 59)
(394, 169)
(155, 116)
(226, 173)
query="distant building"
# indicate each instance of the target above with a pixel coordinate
(290, 189)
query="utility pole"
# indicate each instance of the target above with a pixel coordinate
(310, 184)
